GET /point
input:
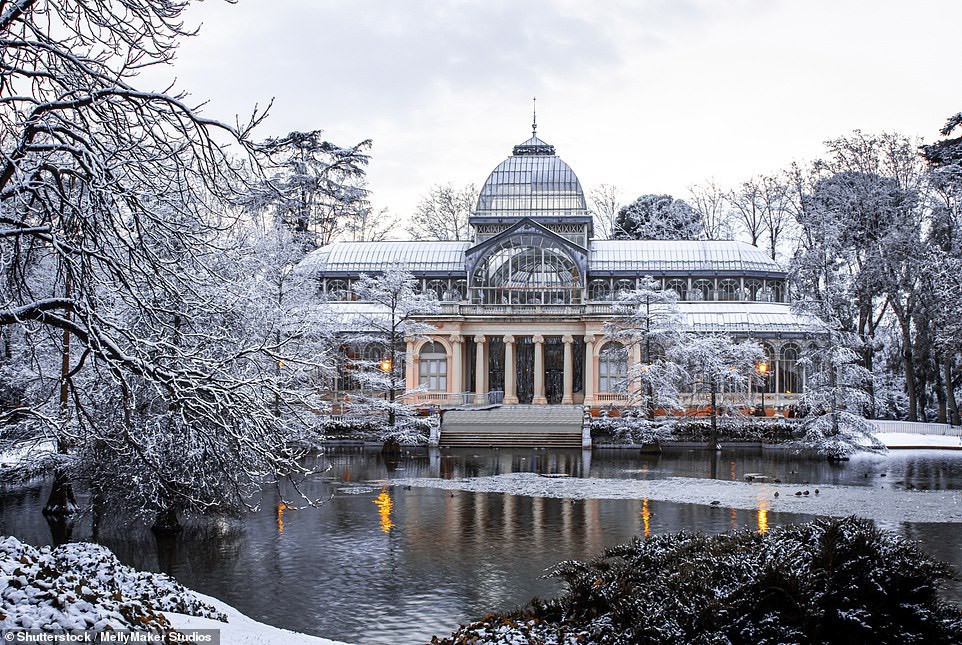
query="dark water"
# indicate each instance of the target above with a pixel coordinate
(383, 564)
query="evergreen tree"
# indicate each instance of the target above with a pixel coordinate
(657, 217)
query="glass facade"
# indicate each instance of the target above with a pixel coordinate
(527, 269)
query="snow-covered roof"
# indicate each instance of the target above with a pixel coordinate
(359, 316)
(607, 257)
(684, 257)
(755, 319)
(370, 257)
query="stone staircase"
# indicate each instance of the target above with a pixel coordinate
(542, 426)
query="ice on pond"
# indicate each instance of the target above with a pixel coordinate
(832, 500)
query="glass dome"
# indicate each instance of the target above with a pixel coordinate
(532, 182)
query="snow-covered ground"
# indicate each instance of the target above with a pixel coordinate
(885, 505)
(241, 630)
(907, 440)
(15, 457)
(83, 586)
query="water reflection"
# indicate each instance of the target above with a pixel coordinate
(432, 558)
(646, 517)
(762, 520)
(384, 506)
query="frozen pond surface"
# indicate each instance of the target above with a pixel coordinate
(387, 562)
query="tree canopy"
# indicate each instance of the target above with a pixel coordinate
(657, 217)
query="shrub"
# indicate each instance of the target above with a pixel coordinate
(830, 581)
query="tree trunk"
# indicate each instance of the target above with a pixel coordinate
(866, 332)
(714, 421)
(908, 365)
(61, 529)
(61, 503)
(953, 406)
(940, 395)
(167, 523)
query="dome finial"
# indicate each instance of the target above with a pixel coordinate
(534, 116)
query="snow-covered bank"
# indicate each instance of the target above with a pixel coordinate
(241, 630)
(839, 501)
(84, 587)
(908, 440)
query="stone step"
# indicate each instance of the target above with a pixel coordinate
(513, 441)
(514, 426)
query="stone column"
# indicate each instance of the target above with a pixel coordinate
(590, 387)
(457, 371)
(480, 371)
(539, 397)
(510, 375)
(567, 396)
(634, 363)
(410, 369)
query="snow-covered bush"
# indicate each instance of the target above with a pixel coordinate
(409, 431)
(84, 587)
(632, 430)
(830, 581)
(635, 430)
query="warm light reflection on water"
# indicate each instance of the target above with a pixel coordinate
(384, 506)
(281, 507)
(762, 518)
(645, 516)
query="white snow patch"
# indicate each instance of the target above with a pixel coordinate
(16, 456)
(908, 440)
(241, 630)
(873, 503)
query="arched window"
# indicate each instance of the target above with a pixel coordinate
(702, 290)
(457, 291)
(433, 368)
(338, 290)
(778, 291)
(612, 367)
(599, 291)
(679, 287)
(438, 288)
(728, 290)
(768, 380)
(527, 269)
(623, 287)
(374, 352)
(753, 289)
(791, 380)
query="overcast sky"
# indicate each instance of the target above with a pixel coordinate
(649, 95)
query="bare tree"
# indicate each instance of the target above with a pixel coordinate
(442, 213)
(711, 203)
(749, 209)
(369, 225)
(604, 200)
(773, 195)
(396, 305)
(120, 267)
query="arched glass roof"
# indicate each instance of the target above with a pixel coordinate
(654, 257)
(752, 319)
(371, 257)
(532, 182)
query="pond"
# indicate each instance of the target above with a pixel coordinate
(385, 564)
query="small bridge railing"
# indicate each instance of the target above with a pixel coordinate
(917, 427)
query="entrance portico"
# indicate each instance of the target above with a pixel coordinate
(544, 363)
